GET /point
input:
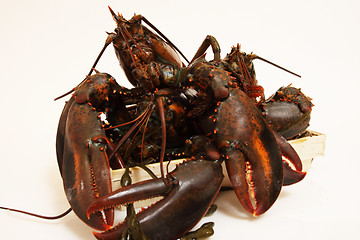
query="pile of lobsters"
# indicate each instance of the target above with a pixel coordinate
(207, 112)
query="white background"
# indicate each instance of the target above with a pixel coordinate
(47, 47)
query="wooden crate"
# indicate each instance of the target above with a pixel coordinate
(308, 148)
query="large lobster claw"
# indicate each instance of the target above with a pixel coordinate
(288, 111)
(81, 153)
(185, 201)
(253, 159)
(254, 153)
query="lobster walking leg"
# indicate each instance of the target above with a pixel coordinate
(208, 41)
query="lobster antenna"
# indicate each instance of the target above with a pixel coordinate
(254, 56)
(163, 141)
(37, 215)
(109, 39)
(138, 122)
(164, 37)
(65, 94)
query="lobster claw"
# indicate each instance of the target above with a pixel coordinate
(254, 153)
(82, 157)
(292, 164)
(288, 111)
(85, 168)
(253, 159)
(185, 201)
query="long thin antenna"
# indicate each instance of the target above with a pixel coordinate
(164, 37)
(37, 215)
(253, 56)
(109, 39)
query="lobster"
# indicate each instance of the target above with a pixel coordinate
(207, 111)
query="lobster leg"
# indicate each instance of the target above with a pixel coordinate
(208, 41)
(185, 201)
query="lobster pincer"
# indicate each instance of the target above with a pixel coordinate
(253, 156)
(185, 201)
(287, 111)
(82, 147)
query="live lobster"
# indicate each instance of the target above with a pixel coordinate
(206, 111)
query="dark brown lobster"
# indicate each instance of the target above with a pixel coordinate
(103, 126)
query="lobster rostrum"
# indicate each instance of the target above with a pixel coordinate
(216, 105)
